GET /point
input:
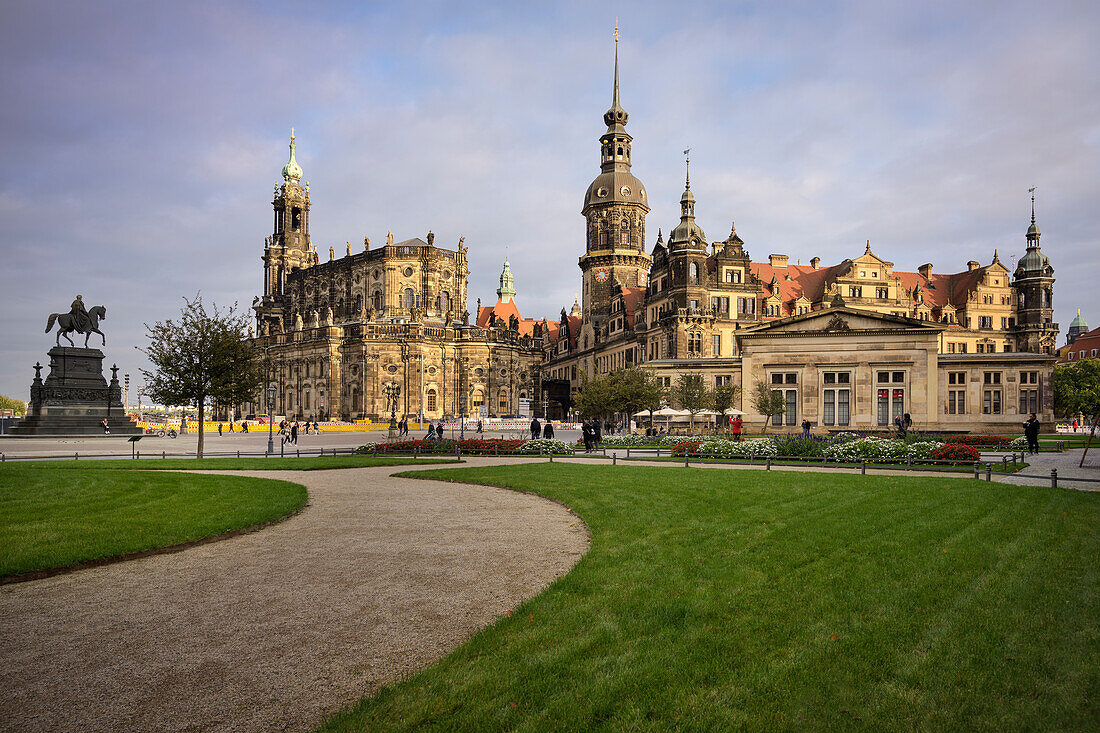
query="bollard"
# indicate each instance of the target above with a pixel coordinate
(1054, 478)
(163, 455)
(768, 467)
(658, 450)
(416, 453)
(824, 460)
(977, 467)
(614, 459)
(988, 472)
(685, 459)
(628, 454)
(1013, 460)
(76, 456)
(863, 468)
(1004, 463)
(139, 455)
(551, 456)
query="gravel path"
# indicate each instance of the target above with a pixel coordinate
(377, 578)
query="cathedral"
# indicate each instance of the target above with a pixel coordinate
(386, 331)
(853, 344)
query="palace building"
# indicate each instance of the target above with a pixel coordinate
(850, 345)
(387, 331)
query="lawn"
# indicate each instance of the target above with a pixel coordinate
(53, 516)
(717, 600)
(306, 463)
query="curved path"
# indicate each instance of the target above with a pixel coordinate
(377, 578)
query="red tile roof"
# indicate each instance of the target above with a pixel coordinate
(1085, 342)
(506, 309)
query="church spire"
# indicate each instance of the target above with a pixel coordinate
(615, 117)
(507, 289)
(292, 171)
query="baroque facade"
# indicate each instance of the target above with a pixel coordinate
(383, 331)
(849, 345)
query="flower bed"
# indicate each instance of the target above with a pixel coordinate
(981, 441)
(545, 445)
(690, 447)
(956, 452)
(880, 450)
(473, 446)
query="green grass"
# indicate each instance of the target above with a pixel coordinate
(307, 463)
(718, 600)
(53, 517)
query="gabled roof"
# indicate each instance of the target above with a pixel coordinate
(506, 309)
(842, 314)
(632, 297)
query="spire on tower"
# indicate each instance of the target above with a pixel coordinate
(687, 169)
(292, 171)
(616, 115)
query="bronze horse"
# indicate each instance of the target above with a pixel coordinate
(66, 324)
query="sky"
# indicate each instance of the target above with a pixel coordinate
(140, 142)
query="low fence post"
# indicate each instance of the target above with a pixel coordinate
(76, 455)
(1054, 478)
(628, 454)
(1004, 463)
(988, 472)
(614, 459)
(658, 450)
(863, 467)
(768, 467)
(977, 467)
(685, 459)
(551, 456)
(163, 455)
(416, 453)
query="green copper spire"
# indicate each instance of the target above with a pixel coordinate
(507, 290)
(292, 171)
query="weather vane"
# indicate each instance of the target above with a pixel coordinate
(687, 166)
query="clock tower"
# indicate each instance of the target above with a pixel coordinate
(615, 207)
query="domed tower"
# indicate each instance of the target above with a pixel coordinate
(614, 209)
(1078, 327)
(687, 251)
(289, 247)
(1034, 284)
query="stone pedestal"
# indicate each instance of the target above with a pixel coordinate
(75, 398)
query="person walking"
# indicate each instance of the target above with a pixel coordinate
(220, 426)
(479, 427)
(294, 433)
(244, 426)
(735, 428)
(597, 433)
(805, 428)
(1031, 432)
(548, 430)
(586, 435)
(536, 429)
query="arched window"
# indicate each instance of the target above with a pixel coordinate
(503, 399)
(431, 400)
(693, 272)
(408, 300)
(620, 151)
(445, 301)
(376, 298)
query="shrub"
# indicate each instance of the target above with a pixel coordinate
(1018, 444)
(956, 453)
(799, 446)
(544, 445)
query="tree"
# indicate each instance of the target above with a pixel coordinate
(1077, 390)
(767, 401)
(723, 397)
(595, 398)
(19, 407)
(203, 357)
(636, 389)
(690, 392)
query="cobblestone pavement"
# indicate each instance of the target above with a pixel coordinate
(376, 578)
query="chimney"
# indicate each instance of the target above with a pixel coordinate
(777, 260)
(972, 265)
(925, 270)
(814, 262)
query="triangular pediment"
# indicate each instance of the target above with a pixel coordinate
(843, 318)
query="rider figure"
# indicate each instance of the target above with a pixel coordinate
(80, 316)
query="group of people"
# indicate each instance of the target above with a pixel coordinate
(902, 423)
(538, 430)
(591, 433)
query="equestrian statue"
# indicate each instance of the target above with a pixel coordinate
(78, 319)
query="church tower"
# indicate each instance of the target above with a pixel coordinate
(507, 289)
(1034, 284)
(289, 247)
(615, 208)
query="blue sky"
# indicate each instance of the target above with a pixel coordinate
(141, 141)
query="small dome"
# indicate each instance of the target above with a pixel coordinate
(615, 186)
(685, 231)
(615, 115)
(1033, 261)
(292, 171)
(1033, 231)
(688, 197)
(1079, 322)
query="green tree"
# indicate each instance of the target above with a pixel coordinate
(595, 397)
(19, 407)
(1077, 390)
(767, 401)
(691, 394)
(202, 358)
(636, 389)
(723, 396)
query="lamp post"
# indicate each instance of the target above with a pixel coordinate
(392, 391)
(270, 418)
(463, 385)
(405, 360)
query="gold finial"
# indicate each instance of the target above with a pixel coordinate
(292, 134)
(616, 30)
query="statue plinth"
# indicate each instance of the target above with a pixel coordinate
(75, 398)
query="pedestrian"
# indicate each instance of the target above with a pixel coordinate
(316, 428)
(735, 428)
(106, 427)
(479, 427)
(220, 426)
(597, 433)
(898, 426)
(548, 430)
(1075, 425)
(536, 429)
(294, 433)
(1031, 431)
(805, 428)
(906, 423)
(244, 426)
(586, 435)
